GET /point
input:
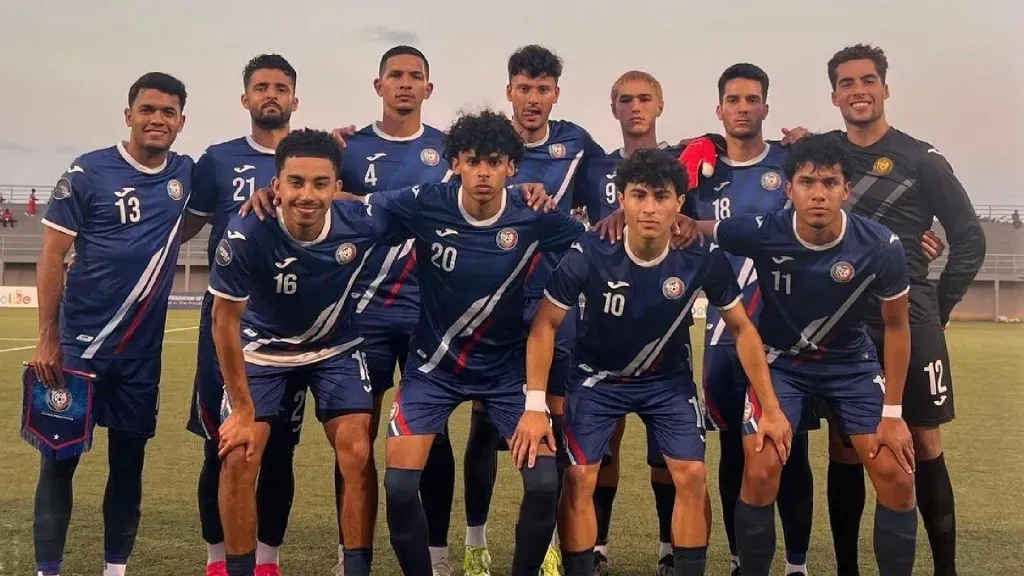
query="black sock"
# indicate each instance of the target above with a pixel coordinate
(664, 501)
(755, 537)
(209, 487)
(339, 490)
(242, 564)
(689, 561)
(796, 501)
(578, 563)
(895, 539)
(406, 521)
(938, 512)
(275, 490)
(357, 562)
(122, 500)
(536, 521)
(604, 498)
(52, 512)
(437, 487)
(730, 479)
(480, 466)
(845, 508)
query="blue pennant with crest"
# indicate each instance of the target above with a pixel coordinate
(58, 421)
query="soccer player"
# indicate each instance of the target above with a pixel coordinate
(904, 184)
(636, 102)
(632, 355)
(396, 152)
(226, 176)
(748, 181)
(121, 208)
(474, 241)
(284, 285)
(817, 266)
(556, 151)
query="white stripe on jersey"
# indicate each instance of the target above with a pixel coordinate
(746, 277)
(138, 293)
(58, 227)
(818, 329)
(466, 323)
(568, 176)
(649, 353)
(394, 253)
(287, 359)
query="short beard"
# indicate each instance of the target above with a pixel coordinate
(271, 123)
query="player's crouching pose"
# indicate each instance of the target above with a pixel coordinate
(285, 285)
(632, 355)
(817, 266)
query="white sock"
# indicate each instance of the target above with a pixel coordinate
(735, 562)
(554, 541)
(799, 569)
(114, 569)
(438, 553)
(664, 549)
(341, 553)
(215, 553)
(601, 549)
(476, 536)
(266, 554)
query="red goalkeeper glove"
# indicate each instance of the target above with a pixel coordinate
(700, 156)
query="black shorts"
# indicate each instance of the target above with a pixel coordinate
(928, 394)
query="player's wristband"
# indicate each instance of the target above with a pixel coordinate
(892, 411)
(536, 401)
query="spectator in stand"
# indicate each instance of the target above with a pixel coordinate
(7, 218)
(30, 210)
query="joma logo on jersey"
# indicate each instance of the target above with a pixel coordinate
(430, 157)
(882, 166)
(224, 254)
(771, 181)
(175, 190)
(672, 288)
(345, 253)
(58, 399)
(507, 238)
(842, 272)
(556, 150)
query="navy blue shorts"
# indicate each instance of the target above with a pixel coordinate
(384, 349)
(725, 387)
(340, 386)
(668, 407)
(208, 391)
(853, 400)
(561, 363)
(126, 392)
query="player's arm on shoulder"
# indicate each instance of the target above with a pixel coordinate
(964, 233)
(202, 203)
(395, 213)
(739, 235)
(558, 230)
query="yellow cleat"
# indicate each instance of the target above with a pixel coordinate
(552, 565)
(477, 561)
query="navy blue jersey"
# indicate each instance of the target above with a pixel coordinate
(636, 322)
(597, 184)
(375, 161)
(126, 220)
(751, 188)
(299, 308)
(226, 175)
(816, 297)
(556, 161)
(471, 274)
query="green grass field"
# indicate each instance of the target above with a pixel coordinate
(981, 448)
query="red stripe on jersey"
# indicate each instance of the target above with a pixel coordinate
(478, 334)
(755, 301)
(401, 279)
(140, 313)
(573, 446)
(400, 422)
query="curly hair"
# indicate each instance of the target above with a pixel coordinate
(820, 151)
(485, 133)
(308, 143)
(858, 52)
(535, 61)
(652, 167)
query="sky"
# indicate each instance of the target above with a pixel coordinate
(956, 67)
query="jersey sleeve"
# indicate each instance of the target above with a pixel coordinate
(592, 152)
(230, 276)
(203, 201)
(892, 279)
(395, 212)
(740, 235)
(964, 234)
(68, 208)
(558, 231)
(567, 280)
(720, 285)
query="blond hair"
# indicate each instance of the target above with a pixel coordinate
(637, 76)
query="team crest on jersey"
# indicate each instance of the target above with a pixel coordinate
(748, 412)
(771, 181)
(672, 288)
(224, 254)
(507, 238)
(883, 166)
(62, 190)
(58, 399)
(556, 150)
(430, 157)
(842, 272)
(345, 253)
(174, 190)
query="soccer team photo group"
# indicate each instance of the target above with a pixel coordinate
(730, 292)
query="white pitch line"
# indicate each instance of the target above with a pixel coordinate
(20, 348)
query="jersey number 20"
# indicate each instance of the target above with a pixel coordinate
(443, 256)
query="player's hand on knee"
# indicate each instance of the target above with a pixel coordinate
(932, 246)
(263, 203)
(339, 134)
(894, 434)
(238, 430)
(791, 136)
(534, 427)
(611, 227)
(48, 362)
(774, 425)
(684, 232)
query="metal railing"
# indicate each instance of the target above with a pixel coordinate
(1003, 265)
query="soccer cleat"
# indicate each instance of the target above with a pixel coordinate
(600, 564)
(736, 571)
(218, 568)
(267, 570)
(441, 568)
(477, 561)
(666, 566)
(552, 563)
